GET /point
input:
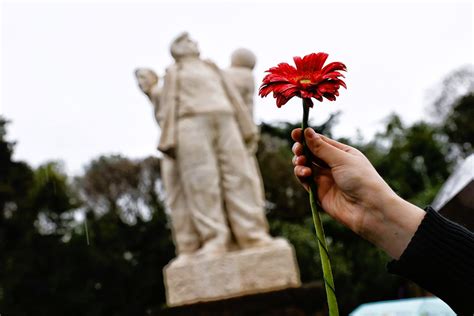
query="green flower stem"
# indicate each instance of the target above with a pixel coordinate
(313, 199)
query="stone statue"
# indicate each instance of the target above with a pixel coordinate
(185, 236)
(209, 175)
(240, 74)
(212, 181)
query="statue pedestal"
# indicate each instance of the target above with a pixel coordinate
(233, 274)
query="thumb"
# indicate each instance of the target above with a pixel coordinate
(331, 155)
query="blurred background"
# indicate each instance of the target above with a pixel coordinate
(78, 138)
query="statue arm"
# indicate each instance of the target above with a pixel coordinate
(248, 128)
(250, 94)
(155, 96)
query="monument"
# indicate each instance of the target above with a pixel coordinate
(213, 187)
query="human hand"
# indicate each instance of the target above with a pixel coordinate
(352, 192)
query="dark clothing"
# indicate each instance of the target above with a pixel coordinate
(440, 258)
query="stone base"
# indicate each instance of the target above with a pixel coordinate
(307, 300)
(233, 274)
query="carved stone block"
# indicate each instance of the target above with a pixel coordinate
(236, 273)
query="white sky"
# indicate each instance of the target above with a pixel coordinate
(67, 69)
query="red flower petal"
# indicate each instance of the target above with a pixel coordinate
(334, 66)
(308, 80)
(310, 63)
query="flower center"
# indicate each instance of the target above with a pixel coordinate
(305, 81)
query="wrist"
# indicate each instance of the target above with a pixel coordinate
(399, 222)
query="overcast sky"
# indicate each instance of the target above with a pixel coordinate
(67, 69)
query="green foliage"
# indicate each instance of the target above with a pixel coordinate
(301, 236)
(54, 198)
(452, 106)
(459, 126)
(130, 239)
(31, 264)
(47, 268)
(15, 178)
(413, 160)
(284, 196)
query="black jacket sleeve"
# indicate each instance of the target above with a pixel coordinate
(440, 258)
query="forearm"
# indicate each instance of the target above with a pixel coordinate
(397, 223)
(440, 258)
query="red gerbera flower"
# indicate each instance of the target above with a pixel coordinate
(308, 80)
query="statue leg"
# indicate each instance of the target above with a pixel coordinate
(199, 174)
(185, 236)
(242, 192)
(257, 180)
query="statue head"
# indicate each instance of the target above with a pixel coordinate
(146, 78)
(243, 57)
(184, 46)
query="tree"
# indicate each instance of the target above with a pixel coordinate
(453, 87)
(452, 105)
(30, 257)
(414, 159)
(129, 235)
(459, 126)
(47, 267)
